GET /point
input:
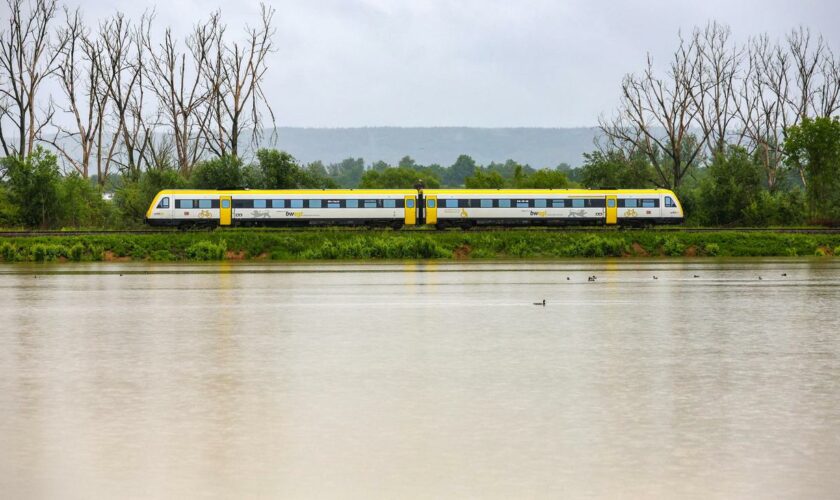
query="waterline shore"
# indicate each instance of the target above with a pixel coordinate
(241, 244)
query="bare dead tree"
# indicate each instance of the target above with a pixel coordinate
(714, 92)
(234, 76)
(84, 80)
(175, 77)
(656, 115)
(28, 56)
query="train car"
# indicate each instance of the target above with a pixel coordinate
(188, 208)
(397, 208)
(551, 207)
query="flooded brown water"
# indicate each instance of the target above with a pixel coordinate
(421, 380)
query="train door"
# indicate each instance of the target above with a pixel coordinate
(410, 211)
(612, 209)
(431, 209)
(224, 210)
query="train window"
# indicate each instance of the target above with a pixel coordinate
(577, 203)
(370, 203)
(540, 203)
(260, 203)
(243, 203)
(225, 203)
(504, 203)
(296, 203)
(630, 203)
(204, 204)
(522, 204)
(186, 204)
(486, 203)
(431, 203)
(647, 204)
(278, 203)
(669, 202)
(611, 203)
(333, 204)
(351, 203)
(558, 203)
(595, 203)
(410, 203)
(164, 202)
(389, 203)
(314, 203)
(451, 203)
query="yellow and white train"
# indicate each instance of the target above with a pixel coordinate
(406, 207)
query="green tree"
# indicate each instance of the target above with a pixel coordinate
(543, 179)
(315, 176)
(614, 169)
(734, 183)
(348, 173)
(396, 178)
(225, 172)
(279, 169)
(813, 147)
(133, 198)
(81, 203)
(457, 174)
(34, 187)
(482, 179)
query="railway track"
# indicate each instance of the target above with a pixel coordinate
(32, 234)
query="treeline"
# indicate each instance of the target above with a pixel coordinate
(746, 133)
(35, 193)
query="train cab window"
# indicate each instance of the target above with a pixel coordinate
(296, 203)
(610, 203)
(578, 203)
(225, 203)
(278, 203)
(164, 202)
(504, 203)
(389, 203)
(486, 204)
(540, 203)
(314, 203)
(451, 203)
(410, 203)
(370, 204)
(669, 202)
(260, 203)
(430, 203)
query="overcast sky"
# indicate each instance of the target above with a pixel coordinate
(487, 63)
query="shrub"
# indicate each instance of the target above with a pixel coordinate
(711, 249)
(206, 250)
(8, 252)
(77, 252)
(673, 247)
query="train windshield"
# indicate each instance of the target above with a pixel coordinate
(164, 202)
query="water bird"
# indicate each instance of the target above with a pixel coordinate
(567, 278)
(655, 277)
(592, 278)
(540, 303)
(784, 274)
(696, 275)
(760, 278)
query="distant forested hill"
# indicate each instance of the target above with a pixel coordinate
(538, 147)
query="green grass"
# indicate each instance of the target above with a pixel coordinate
(362, 245)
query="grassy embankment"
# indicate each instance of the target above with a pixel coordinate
(329, 245)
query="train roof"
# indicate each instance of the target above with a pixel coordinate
(413, 191)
